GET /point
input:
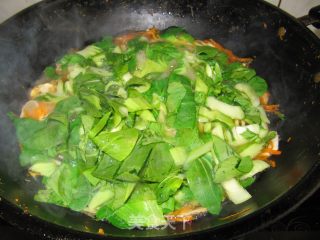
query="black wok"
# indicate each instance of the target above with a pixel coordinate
(290, 62)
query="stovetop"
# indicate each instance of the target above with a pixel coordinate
(302, 223)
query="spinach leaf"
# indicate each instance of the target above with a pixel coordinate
(186, 114)
(159, 165)
(74, 132)
(227, 169)
(247, 182)
(183, 196)
(249, 135)
(90, 152)
(50, 72)
(25, 127)
(168, 187)
(35, 135)
(30, 156)
(122, 192)
(71, 186)
(73, 58)
(88, 81)
(117, 144)
(108, 213)
(134, 214)
(163, 51)
(106, 44)
(49, 196)
(100, 125)
(206, 53)
(209, 195)
(258, 84)
(176, 34)
(187, 137)
(236, 72)
(176, 93)
(107, 168)
(168, 206)
(245, 165)
(159, 87)
(132, 165)
(143, 191)
(221, 149)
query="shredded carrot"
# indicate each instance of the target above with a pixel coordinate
(151, 34)
(43, 89)
(271, 108)
(264, 99)
(268, 150)
(180, 214)
(230, 54)
(272, 163)
(37, 110)
(266, 153)
(272, 151)
(180, 218)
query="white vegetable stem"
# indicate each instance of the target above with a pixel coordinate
(235, 192)
(247, 90)
(234, 112)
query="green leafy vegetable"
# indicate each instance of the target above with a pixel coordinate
(132, 128)
(136, 214)
(132, 165)
(107, 168)
(259, 85)
(50, 72)
(160, 163)
(209, 195)
(168, 187)
(117, 144)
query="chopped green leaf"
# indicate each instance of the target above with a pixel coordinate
(117, 144)
(209, 195)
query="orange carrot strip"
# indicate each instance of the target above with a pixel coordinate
(179, 215)
(272, 163)
(180, 219)
(264, 99)
(37, 110)
(261, 157)
(271, 108)
(272, 151)
(151, 34)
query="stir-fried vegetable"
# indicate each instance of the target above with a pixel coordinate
(146, 127)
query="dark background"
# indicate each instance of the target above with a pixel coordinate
(302, 223)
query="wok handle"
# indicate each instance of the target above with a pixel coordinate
(313, 17)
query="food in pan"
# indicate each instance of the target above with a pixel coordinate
(146, 128)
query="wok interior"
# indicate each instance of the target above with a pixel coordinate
(36, 38)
